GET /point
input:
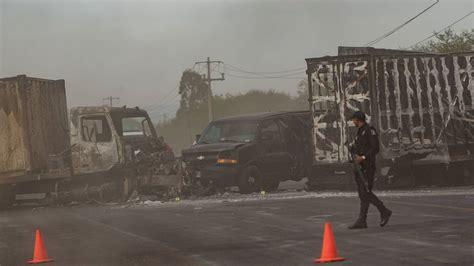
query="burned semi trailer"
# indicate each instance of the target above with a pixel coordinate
(421, 105)
(100, 153)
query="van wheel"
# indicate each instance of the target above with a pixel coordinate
(271, 184)
(250, 180)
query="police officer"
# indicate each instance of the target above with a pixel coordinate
(365, 149)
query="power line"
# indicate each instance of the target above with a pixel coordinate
(378, 39)
(162, 100)
(443, 29)
(241, 73)
(160, 103)
(255, 77)
(162, 110)
(165, 104)
(238, 69)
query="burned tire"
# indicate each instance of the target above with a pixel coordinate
(109, 192)
(271, 184)
(62, 192)
(250, 180)
(127, 187)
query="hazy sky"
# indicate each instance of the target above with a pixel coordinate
(136, 50)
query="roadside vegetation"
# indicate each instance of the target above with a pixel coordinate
(448, 41)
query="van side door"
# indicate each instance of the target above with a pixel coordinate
(275, 157)
(295, 138)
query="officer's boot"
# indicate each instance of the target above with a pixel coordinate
(385, 216)
(360, 223)
(385, 213)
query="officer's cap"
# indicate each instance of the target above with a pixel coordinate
(359, 115)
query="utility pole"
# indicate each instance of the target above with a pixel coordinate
(111, 100)
(209, 80)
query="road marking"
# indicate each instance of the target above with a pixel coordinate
(432, 205)
(290, 244)
(130, 234)
(274, 226)
(118, 230)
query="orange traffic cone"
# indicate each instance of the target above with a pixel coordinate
(39, 255)
(329, 251)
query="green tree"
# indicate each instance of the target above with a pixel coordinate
(448, 42)
(302, 91)
(193, 90)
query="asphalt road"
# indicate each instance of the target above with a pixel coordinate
(427, 228)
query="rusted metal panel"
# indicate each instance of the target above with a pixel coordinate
(422, 103)
(12, 145)
(34, 125)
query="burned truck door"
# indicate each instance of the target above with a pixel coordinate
(95, 149)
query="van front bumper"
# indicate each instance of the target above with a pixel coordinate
(220, 175)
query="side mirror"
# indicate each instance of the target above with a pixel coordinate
(198, 136)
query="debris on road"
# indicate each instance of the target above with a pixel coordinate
(234, 197)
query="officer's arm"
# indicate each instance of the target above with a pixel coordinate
(373, 144)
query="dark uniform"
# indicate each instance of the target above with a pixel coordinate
(367, 145)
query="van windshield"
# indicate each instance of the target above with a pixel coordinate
(229, 131)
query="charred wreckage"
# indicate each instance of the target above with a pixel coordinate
(99, 153)
(421, 104)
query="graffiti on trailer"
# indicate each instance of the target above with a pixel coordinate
(420, 104)
(338, 89)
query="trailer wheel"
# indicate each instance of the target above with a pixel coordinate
(250, 180)
(461, 173)
(62, 192)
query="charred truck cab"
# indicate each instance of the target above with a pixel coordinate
(119, 142)
(252, 152)
(104, 138)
